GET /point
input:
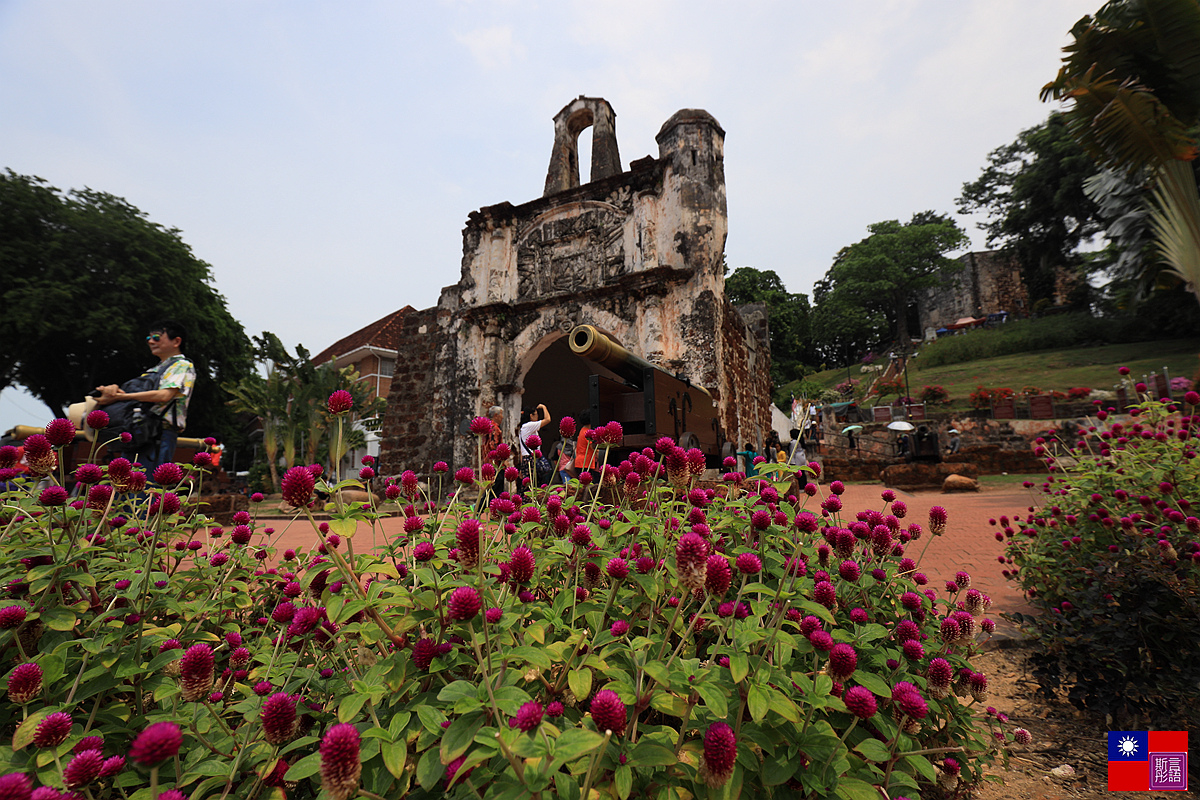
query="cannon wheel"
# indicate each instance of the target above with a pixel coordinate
(728, 450)
(688, 440)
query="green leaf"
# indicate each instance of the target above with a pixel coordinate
(575, 742)
(306, 767)
(779, 769)
(459, 735)
(739, 666)
(922, 765)
(649, 754)
(457, 690)
(343, 527)
(394, 756)
(874, 750)
(623, 781)
(714, 698)
(535, 656)
(350, 706)
(580, 681)
(818, 610)
(59, 618)
(658, 671)
(855, 789)
(782, 706)
(431, 719)
(511, 698)
(429, 770)
(873, 683)
(758, 702)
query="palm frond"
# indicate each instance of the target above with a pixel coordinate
(1175, 219)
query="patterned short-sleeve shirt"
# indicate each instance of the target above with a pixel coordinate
(178, 373)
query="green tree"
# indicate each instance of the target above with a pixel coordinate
(1132, 76)
(868, 292)
(84, 274)
(290, 403)
(1033, 191)
(789, 322)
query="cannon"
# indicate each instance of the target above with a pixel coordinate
(650, 403)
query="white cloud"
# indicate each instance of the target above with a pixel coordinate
(492, 48)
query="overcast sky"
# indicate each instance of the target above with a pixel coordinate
(323, 156)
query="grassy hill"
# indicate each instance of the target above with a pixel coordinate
(1094, 367)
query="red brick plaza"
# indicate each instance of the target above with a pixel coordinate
(969, 543)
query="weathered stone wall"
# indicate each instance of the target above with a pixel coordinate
(987, 283)
(637, 254)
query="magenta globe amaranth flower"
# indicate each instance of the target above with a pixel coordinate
(843, 660)
(88, 743)
(340, 762)
(11, 617)
(691, 554)
(279, 720)
(608, 712)
(25, 683)
(909, 701)
(718, 575)
(297, 486)
(52, 730)
(340, 402)
(83, 769)
(481, 426)
(16, 786)
(156, 744)
(464, 604)
(521, 565)
(720, 754)
(529, 716)
(53, 496)
(196, 672)
(860, 702)
(60, 432)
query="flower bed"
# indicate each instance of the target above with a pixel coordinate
(1111, 559)
(679, 642)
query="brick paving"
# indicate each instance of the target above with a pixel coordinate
(968, 545)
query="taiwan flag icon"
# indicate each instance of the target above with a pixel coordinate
(1139, 761)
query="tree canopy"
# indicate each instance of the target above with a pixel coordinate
(1132, 76)
(865, 298)
(84, 274)
(1033, 191)
(789, 318)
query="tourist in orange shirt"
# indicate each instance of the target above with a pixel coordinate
(585, 451)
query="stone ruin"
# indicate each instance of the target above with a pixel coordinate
(637, 254)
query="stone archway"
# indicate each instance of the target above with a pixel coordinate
(557, 377)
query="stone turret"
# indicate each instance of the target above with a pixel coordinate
(575, 117)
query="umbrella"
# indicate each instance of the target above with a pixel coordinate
(851, 429)
(900, 425)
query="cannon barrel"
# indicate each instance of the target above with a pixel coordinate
(590, 343)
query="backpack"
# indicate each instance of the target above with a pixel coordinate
(135, 417)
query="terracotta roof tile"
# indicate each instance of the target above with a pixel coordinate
(384, 332)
